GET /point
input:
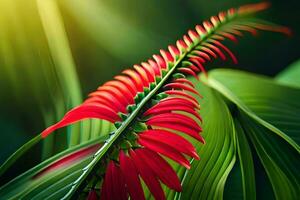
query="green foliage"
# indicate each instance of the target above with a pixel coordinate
(244, 139)
(290, 76)
(251, 123)
(53, 177)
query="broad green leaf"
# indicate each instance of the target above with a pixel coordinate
(234, 183)
(271, 121)
(291, 75)
(246, 162)
(16, 155)
(280, 160)
(62, 57)
(54, 176)
(275, 106)
(207, 176)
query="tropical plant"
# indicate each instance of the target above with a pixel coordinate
(250, 131)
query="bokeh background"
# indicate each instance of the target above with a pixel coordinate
(53, 53)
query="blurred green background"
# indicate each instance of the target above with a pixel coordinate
(53, 53)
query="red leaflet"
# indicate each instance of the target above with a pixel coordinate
(234, 59)
(254, 7)
(137, 81)
(216, 49)
(113, 186)
(114, 92)
(122, 88)
(100, 101)
(111, 99)
(188, 72)
(215, 20)
(178, 101)
(169, 109)
(160, 61)
(82, 112)
(128, 82)
(150, 72)
(106, 186)
(142, 73)
(155, 67)
(167, 56)
(178, 127)
(246, 28)
(209, 51)
(173, 50)
(183, 80)
(222, 16)
(234, 32)
(200, 30)
(228, 35)
(186, 105)
(202, 54)
(160, 167)
(131, 177)
(194, 68)
(199, 61)
(187, 40)
(207, 25)
(176, 118)
(166, 151)
(118, 184)
(148, 176)
(181, 93)
(181, 45)
(193, 35)
(181, 86)
(171, 139)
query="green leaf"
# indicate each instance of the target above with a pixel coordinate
(54, 176)
(16, 155)
(290, 76)
(279, 159)
(275, 106)
(271, 121)
(207, 176)
(246, 162)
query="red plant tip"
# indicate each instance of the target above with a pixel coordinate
(287, 31)
(174, 51)
(251, 8)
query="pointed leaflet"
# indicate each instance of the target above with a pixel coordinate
(148, 176)
(130, 174)
(175, 141)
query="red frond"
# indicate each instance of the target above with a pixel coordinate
(157, 94)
